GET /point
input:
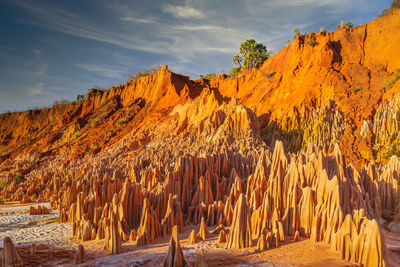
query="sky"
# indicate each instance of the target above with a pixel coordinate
(55, 50)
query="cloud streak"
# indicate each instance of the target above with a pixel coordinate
(103, 70)
(183, 12)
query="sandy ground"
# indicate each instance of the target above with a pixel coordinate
(56, 247)
(302, 253)
(25, 229)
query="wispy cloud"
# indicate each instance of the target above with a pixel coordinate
(37, 89)
(183, 12)
(103, 70)
(36, 52)
(139, 20)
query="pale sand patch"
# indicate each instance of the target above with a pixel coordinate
(25, 229)
(304, 253)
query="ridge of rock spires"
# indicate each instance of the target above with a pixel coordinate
(9, 255)
(240, 235)
(39, 210)
(175, 255)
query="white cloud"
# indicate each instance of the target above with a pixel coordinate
(102, 70)
(183, 12)
(36, 90)
(37, 52)
(139, 20)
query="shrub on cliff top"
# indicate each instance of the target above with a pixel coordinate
(395, 5)
(345, 25)
(209, 76)
(235, 71)
(312, 41)
(251, 54)
(146, 72)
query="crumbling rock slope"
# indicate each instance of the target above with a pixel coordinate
(279, 153)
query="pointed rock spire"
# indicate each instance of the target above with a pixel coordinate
(10, 257)
(175, 255)
(240, 235)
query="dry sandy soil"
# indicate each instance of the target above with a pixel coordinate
(302, 253)
(56, 247)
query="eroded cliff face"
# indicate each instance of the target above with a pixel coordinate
(274, 154)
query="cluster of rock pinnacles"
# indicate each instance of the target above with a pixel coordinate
(254, 198)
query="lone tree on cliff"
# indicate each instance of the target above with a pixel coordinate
(395, 5)
(251, 54)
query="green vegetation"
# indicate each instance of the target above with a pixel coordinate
(61, 102)
(76, 135)
(345, 25)
(121, 121)
(392, 79)
(251, 54)
(80, 98)
(268, 75)
(209, 76)
(393, 151)
(33, 197)
(142, 73)
(312, 41)
(19, 178)
(94, 122)
(235, 72)
(3, 184)
(395, 5)
(296, 33)
(4, 151)
(34, 150)
(354, 89)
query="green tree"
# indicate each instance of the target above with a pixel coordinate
(345, 25)
(395, 5)
(80, 98)
(251, 54)
(296, 33)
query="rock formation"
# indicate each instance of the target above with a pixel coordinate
(175, 255)
(112, 237)
(201, 259)
(9, 255)
(39, 210)
(203, 232)
(285, 152)
(80, 255)
(192, 239)
(222, 236)
(25, 199)
(240, 235)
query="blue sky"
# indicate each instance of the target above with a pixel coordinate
(53, 50)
